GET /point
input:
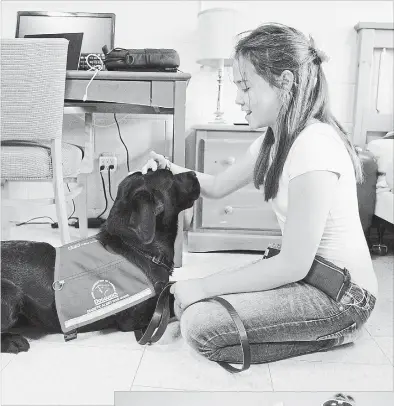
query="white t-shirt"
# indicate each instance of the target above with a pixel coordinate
(319, 147)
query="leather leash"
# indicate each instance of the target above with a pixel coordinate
(159, 322)
(161, 316)
(243, 337)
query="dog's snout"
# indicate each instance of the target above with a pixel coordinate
(188, 184)
(192, 178)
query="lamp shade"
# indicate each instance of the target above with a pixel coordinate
(216, 34)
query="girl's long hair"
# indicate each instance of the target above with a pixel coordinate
(273, 48)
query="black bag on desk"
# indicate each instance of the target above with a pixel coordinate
(142, 60)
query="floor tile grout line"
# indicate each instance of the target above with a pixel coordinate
(138, 367)
(270, 375)
(368, 332)
(80, 346)
(381, 349)
(5, 366)
(324, 362)
(107, 347)
(338, 363)
(218, 261)
(166, 388)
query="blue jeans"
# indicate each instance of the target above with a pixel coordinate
(289, 321)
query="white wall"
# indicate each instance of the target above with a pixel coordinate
(173, 24)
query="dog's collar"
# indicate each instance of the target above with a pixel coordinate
(158, 260)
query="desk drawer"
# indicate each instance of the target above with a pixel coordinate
(163, 94)
(245, 209)
(136, 92)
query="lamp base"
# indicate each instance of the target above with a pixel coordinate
(222, 121)
(218, 118)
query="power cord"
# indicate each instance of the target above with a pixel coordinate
(54, 224)
(109, 181)
(120, 136)
(35, 218)
(105, 197)
(96, 69)
(71, 215)
(98, 221)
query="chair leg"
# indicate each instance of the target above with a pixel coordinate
(61, 211)
(58, 186)
(5, 218)
(82, 207)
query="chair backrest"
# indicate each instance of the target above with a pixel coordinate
(33, 75)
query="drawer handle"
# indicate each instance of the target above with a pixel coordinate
(230, 160)
(228, 209)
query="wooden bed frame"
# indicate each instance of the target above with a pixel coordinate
(371, 36)
(381, 225)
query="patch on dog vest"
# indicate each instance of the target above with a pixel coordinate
(92, 283)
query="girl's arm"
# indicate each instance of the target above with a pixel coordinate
(212, 186)
(310, 198)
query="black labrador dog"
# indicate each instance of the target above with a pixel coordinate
(143, 220)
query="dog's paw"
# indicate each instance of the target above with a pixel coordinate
(14, 343)
(172, 333)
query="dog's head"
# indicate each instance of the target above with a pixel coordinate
(340, 399)
(147, 204)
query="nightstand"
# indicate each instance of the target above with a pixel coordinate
(240, 221)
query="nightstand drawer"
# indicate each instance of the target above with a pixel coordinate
(241, 210)
(219, 154)
(241, 220)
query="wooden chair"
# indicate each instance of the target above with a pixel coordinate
(33, 73)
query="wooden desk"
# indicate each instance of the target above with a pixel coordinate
(133, 92)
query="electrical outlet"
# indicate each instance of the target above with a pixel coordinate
(106, 160)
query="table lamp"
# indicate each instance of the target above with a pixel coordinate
(216, 34)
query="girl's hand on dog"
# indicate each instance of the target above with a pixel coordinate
(156, 161)
(187, 292)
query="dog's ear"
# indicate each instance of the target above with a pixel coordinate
(135, 217)
(143, 217)
(161, 179)
(158, 202)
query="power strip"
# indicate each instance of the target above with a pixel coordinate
(107, 162)
(92, 223)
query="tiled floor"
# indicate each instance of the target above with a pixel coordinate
(90, 369)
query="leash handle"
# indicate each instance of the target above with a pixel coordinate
(161, 316)
(243, 337)
(159, 321)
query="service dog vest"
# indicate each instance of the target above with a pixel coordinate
(92, 283)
